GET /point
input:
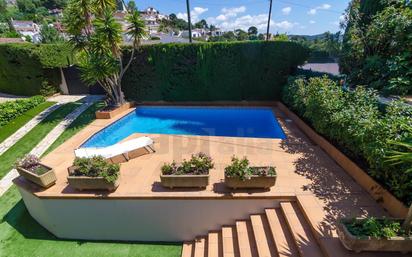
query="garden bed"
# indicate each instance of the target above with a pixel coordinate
(109, 112)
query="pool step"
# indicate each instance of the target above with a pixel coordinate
(277, 232)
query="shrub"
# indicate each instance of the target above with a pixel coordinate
(199, 164)
(357, 124)
(11, 109)
(241, 169)
(230, 71)
(96, 167)
(377, 228)
(31, 163)
(24, 67)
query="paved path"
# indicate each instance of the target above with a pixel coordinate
(40, 148)
(21, 132)
(7, 97)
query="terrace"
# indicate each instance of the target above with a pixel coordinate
(312, 191)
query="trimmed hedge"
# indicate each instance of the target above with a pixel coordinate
(28, 69)
(226, 71)
(359, 125)
(12, 109)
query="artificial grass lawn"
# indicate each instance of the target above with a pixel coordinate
(20, 121)
(82, 121)
(31, 139)
(22, 236)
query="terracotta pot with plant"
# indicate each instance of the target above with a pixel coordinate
(33, 170)
(240, 175)
(381, 234)
(191, 173)
(94, 174)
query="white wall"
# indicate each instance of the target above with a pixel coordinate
(139, 219)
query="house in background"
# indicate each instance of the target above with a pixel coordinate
(27, 28)
(152, 18)
(196, 33)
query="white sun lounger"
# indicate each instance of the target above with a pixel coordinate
(121, 152)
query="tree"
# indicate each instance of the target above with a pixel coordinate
(96, 38)
(49, 34)
(241, 35)
(202, 24)
(131, 6)
(252, 31)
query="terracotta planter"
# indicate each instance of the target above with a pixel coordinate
(112, 113)
(359, 244)
(253, 182)
(184, 181)
(91, 183)
(45, 180)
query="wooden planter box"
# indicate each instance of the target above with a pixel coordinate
(45, 180)
(91, 183)
(184, 181)
(112, 113)
(253, 182)
(359, 244)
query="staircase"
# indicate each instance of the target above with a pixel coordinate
(282, 232)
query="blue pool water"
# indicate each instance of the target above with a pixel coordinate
(204, 121)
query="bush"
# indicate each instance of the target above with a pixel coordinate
(199, 164)
(12, 109)
(377, 228)
(226, 71)
(357, 124)
(96, 167)
(241, 169)
(25, 67)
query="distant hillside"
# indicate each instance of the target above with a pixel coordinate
(309, 37)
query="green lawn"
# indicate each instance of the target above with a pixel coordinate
(31, 139)
(82, 121)
(22, 236)
(20, 121)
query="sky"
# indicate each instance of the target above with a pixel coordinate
(303, 17)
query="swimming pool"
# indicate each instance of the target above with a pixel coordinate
(204, 121)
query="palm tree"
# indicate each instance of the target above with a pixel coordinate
(403, 158)
(96, 37)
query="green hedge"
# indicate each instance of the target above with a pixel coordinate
(230, 71)
(358, 124)
(29, 69)
(12, 109)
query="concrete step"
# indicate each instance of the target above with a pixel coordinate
(187, 249)
(246, 239)
(215, 244)
(282, 237)
(300, 230)
(230, 242)
(263, 238)
(200, 247)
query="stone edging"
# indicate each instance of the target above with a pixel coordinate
(389, 202)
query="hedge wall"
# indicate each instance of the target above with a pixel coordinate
(24, 68)
(358, 125)
(227, 71)
(12, 109)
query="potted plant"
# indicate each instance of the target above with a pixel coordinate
(240, 175)
(191, 173)
(31, 169)
(372, 234)
(94, 174)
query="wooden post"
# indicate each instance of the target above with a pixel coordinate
(189, 20)
(270, 14)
